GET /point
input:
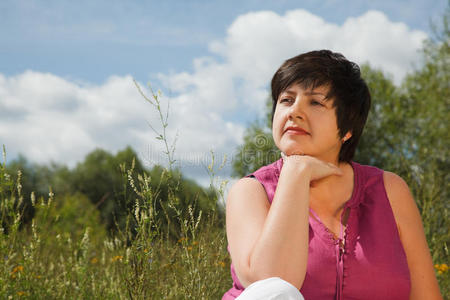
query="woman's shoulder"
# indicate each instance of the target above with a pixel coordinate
(402, 202)
(245, 188)
(254, 186)
(370, 175)
(366, 171)
(398, 192)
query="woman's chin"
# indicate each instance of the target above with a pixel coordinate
(290, 152)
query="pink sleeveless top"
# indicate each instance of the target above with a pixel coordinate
(372, 263)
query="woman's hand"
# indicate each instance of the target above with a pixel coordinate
(304, 165)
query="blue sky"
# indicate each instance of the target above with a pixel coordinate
(66, 67)
(90, 40)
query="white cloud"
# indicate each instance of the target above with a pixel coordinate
(372, 37)
(257, 43)
(50, 118)
(61, 121)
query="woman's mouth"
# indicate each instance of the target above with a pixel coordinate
(296, 131)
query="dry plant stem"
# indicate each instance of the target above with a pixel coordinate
(212, 176)
(169, 150)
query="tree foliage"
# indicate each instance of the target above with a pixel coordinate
(258, 148)
(104, 179)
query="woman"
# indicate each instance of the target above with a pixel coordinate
(314, 220)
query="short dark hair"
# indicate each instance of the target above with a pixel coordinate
(348, 90)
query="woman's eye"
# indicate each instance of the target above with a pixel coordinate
(314, 102)
(285, 100)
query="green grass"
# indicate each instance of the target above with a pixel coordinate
(56, 256)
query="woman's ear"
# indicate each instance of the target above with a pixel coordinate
(347, 136)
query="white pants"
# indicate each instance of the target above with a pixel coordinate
(273, 288)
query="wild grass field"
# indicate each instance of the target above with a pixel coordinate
(66, 253)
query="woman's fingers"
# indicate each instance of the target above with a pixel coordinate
(336, 169)
(319, 169)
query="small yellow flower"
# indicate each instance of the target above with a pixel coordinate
(17, 269)
(182, 240)
(189, 248)
(21, 293)
(94, 260)
(221, 263)
(116, 258)
(441, 268)
(145, 250)
(38, 276)
(195, 243)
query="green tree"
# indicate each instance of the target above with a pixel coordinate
(258, 148)
(380, 140)
(104, 179)
(98, 178)
(426, 123)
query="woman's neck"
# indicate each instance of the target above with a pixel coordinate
(332, 192)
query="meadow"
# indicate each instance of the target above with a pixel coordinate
(66, 253)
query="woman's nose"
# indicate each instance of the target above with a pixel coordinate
(297, 110)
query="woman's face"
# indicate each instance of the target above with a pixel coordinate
(305, 123)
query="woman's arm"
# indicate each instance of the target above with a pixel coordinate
(423, 280)
(267, 241)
